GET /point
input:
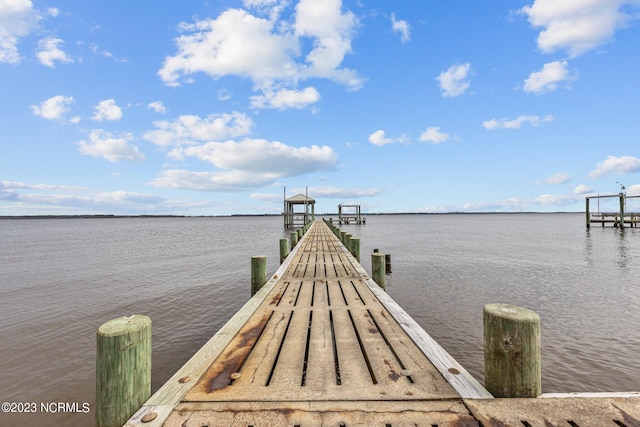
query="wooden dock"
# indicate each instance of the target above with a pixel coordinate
(620, 219)
(322, 344)
(613, 220)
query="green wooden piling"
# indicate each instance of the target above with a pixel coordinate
(355, 248)
(512, 351)
(294, 238)
(258, 273)
(622, 210)
(284, 249)
(123, 369)
(587, 212)
(342, 236)
(378, 269)
(347, 241)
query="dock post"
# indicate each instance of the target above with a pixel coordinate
(588, 214)
(512, 351)
(378, 269)
(347, 241)
(284, 249)
(300, 234)
(123, 369)
(343, 237)
(387, 261)
(621, 210)
(258, 273)
(355, 248)
(294, 238)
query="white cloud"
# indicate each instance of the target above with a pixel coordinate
(107, 146)
(53, 11)
(17, 19)
(264, 157)
(267, 197)
(245, 165)
(267, 51)
(158, 107)
(343, 193)
(582, 189)
(516, 123)
(434, 136)
(53, 108)
(227, 181)
(331, 32)
(107, 110)
(378, 138)
(402, 27)
(235, 43)
(190, 129)
(102, 52)
(454, 81)
(8, 185)
(74, 200)
(127, 197)
(547, 79)
(556, 179)
(633, 190)
(271, 8)
(578, 25)
(518, 204)
(49, 52)
(224, 95)
(616, 165)
(329, 192)
(286, 98)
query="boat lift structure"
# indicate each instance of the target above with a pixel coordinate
(616, 219)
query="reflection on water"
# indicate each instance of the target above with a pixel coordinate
(62, 278)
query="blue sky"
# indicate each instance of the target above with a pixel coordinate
(212, 107)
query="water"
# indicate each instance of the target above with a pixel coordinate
(61, 279)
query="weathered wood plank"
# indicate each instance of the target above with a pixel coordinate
(376, 414)
(321, 374)
(583, 412)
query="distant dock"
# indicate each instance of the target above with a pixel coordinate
(620, 219)
(321, 343)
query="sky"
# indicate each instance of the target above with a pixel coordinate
(221, 107)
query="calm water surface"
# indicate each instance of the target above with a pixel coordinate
(61, 279)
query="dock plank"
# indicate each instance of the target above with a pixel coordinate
(318, 413)
(581, 412)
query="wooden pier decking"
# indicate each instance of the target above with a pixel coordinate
(322, 344)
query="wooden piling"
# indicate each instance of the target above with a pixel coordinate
(258, 273)
(512, 351)
(294, 239)
(284, 249)
(387, 261)
(588, 214)
(378, 269)
(621, 210)
(347, 241)
(355, 248)
(123, 369)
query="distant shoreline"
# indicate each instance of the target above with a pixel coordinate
(112, 216)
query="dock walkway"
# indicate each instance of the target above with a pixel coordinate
(322, 344)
